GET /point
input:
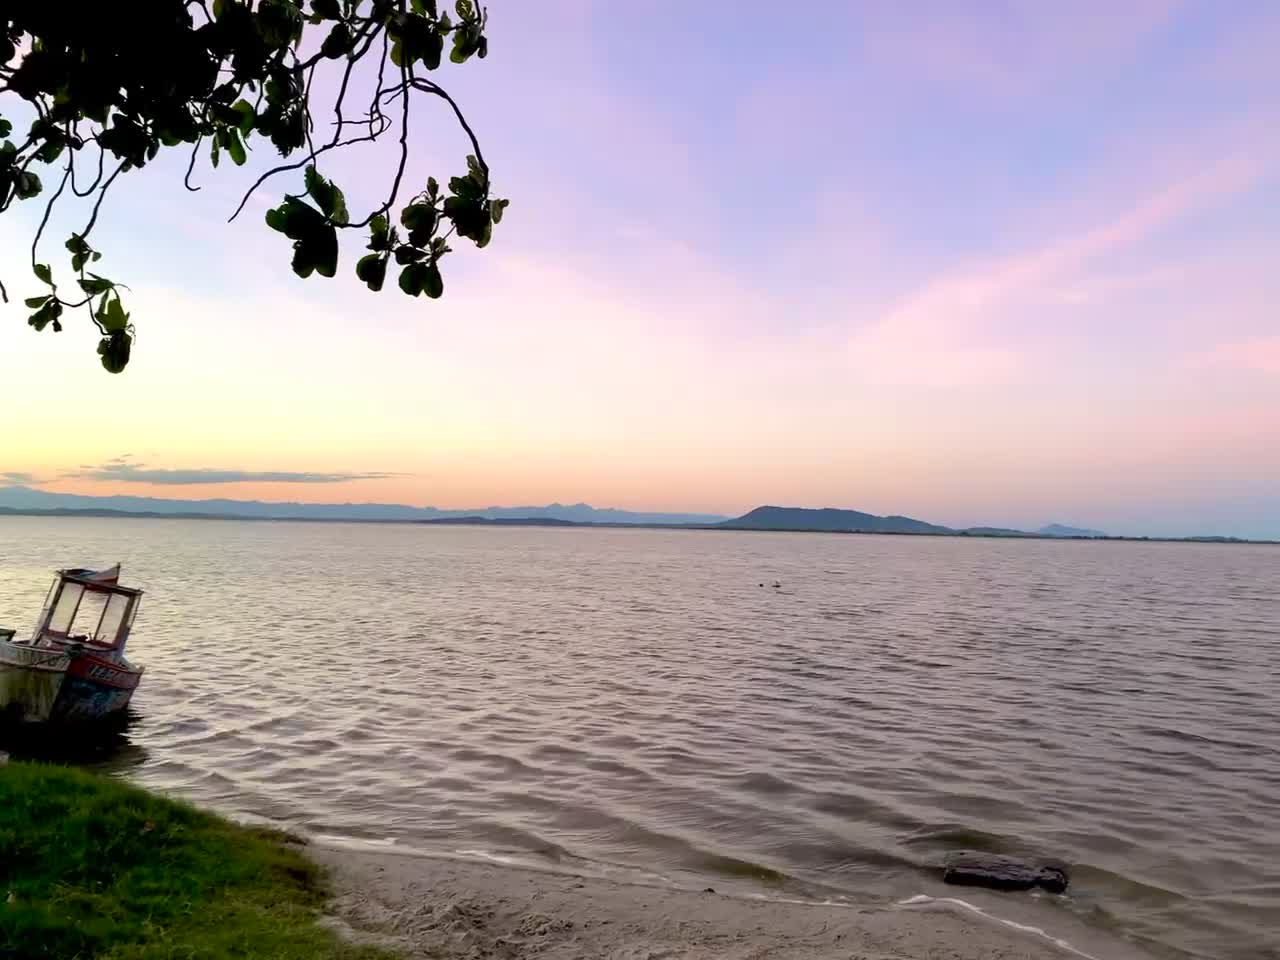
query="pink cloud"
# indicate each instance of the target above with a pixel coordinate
(1257, 354)
(942, 333)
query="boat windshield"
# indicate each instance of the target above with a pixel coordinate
(92, 606)
(64, 611)
(93, 613)
(113, 618)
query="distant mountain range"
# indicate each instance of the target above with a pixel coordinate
(18, 499)
(21, 499)
(29, 500)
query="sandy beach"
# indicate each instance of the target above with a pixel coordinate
(447, 908)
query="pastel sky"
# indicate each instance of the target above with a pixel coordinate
(998, 262)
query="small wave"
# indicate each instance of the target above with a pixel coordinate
(765, 898)
(763, 783)
(571, 866)
(925, 901)
(490, 856)
(733, 867)
(354, 843)
(953, 836)
(1135, 889)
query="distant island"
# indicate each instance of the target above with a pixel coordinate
(28, 501)
(829, 520)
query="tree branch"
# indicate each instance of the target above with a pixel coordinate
(426, 86)
(48, 210)
(298, 165)
(191, 165)
(96, 180)
(102, 193)
(375, 105)
(406, 79)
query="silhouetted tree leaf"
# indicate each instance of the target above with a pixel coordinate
(316, 250)
(295, 219)
(48, 313)
(247, 115)
(372, 269)
(433, 283)
(114, 351)
(327, 196)
(432, 50)
(337, 43)
(421, 220)
(81, 252)
(111, 315)
(94, 284)
(413, 279)
(26, 185)
(466, 187)
(326, 9)
(235, 147)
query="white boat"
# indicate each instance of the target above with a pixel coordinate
(73, 667)
(30, 678)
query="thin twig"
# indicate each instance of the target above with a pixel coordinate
(405, 80)
(191, 166)
(93, 316)
(315, 58)
(102, 193)
(353, 57)
(283, 168)
(342, 95)
(306, 109)
(297, 165)
(426, 86)
(96, 180)
(375, 107)
(48, 210)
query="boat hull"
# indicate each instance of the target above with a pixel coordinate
(95, 687)
(31, 680)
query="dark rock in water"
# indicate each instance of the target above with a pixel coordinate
(992, 870)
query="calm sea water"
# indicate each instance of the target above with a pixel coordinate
(635, 702)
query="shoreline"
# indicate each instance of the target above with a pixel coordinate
(449, 908)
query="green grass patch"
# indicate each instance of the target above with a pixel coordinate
(94, 868)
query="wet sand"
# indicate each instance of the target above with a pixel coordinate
(446, 908)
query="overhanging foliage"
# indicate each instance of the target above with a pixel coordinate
(112, 85)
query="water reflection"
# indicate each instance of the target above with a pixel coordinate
(108, 746)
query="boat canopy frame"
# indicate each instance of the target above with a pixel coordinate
(112, 610)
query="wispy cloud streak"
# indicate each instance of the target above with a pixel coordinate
(122, 472)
